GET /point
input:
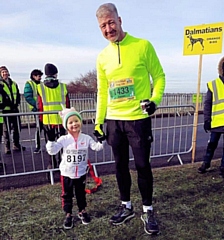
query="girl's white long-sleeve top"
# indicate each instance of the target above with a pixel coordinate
(75, 153)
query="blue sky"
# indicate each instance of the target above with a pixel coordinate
(66, 33)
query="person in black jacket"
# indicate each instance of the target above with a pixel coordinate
(51, 94)
(11, 123)
(3, 100)
(214, 118)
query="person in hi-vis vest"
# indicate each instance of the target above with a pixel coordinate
(214, 118)
(3, 100)
(30, 95)
(12, 123)
(51, 96)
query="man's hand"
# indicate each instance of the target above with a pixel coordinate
(207, 126)
(98, 133)
(150, 107)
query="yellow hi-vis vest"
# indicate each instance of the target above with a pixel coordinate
(217, 88)
(34, 89)
(14, 92)
(52, 98)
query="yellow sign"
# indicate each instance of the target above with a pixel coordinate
(203, 39)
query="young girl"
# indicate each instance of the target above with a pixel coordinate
(73, 164)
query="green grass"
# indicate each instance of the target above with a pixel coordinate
(188, 205)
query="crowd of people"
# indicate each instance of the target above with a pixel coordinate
(41, 96)
(125, 101)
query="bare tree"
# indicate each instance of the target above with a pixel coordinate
(84, 84)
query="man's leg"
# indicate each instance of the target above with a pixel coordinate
(16, 123)
(37, 138)
(120, 147)
(121, 156)
(140, 138)
(39, 129)
(42, 128)
(37, 134)
(212, 145)
(1, 132)
(222, 161)
(6, 134)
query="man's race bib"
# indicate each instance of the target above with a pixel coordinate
(122, 90)
(76, 156)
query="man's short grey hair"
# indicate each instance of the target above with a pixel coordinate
(106, 9)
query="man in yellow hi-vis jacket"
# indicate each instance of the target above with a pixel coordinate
(13, 123)
(126, 101)
(214, 118)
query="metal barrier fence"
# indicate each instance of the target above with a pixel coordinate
(172, 134)
(172, 131)
(88, 101)
(80, 104)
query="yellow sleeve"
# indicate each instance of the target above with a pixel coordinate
(158, 76)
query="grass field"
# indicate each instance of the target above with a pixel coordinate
(187, 205)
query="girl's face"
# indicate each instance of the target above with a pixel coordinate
(74, 124)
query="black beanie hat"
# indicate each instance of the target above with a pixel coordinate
(50, 69)
(2, 68)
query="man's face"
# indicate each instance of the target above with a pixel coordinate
(4, 74)
(110, 26)
(37, 77)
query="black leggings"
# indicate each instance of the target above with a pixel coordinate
(137, 134)
(212, 145)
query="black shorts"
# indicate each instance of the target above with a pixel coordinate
(138, 132)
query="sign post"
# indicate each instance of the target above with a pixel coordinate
(199, 40)
(195, 124)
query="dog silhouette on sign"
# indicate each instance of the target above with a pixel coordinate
(195, 40)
